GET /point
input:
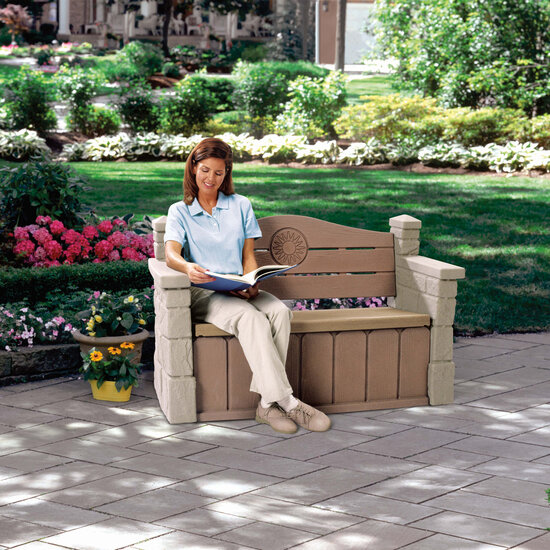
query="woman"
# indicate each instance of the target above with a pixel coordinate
(214, 228)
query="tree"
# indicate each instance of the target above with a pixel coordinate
(16, 19)
(471, 53)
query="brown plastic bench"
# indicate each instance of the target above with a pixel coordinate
(338, 360)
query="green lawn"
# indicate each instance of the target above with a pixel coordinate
(493, 226)
(372, 85)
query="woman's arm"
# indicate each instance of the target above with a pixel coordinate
(249, 264)
(174, 259)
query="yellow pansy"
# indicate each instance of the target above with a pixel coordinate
(91, 333)
(141, 322)
(130, 299)
(98, 318)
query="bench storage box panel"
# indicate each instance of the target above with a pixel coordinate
(338, 360)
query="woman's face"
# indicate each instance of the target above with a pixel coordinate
(209, 175)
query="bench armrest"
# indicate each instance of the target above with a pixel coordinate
(432, 268)
(165, 277)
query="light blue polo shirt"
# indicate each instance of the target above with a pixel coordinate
(215, 241)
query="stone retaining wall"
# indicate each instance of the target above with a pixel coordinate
(41, 362)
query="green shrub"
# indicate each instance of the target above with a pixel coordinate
(32, 284)
(44, 56)
(77, 86)
(23, 145)
(188, 109)
(138, 110)
(40, 189)
(261, 89)
(170, 70)
(27, 102)
(222, 89)
(539, 131)
(391, 118)
(482, 126)
(144, 56)
(314, 105)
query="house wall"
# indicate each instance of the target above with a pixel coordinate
(357, 42)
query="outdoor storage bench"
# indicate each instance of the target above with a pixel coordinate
(338, 360)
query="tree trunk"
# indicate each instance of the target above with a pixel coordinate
(340, 50)
(167, 12)
(304, 9)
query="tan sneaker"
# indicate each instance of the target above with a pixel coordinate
(309, 418)
(276, 418)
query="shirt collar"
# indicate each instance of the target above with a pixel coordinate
(195, 208)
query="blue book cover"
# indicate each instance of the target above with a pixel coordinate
(227, 283)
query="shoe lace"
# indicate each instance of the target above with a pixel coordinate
(303, 412)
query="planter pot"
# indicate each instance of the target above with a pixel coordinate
(108, 391)
(102, 344)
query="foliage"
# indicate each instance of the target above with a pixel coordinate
(190, 106)
(20, 327)
(138, 110)
(48, 243)
(43, 56)
(261, 89)
(40, 189)
(471, 53)
(22, 145)
(288, 41)
(391, 117)
(221, 88)
(33, 283)
(16, 18)
(273, 148)
(479, 127)
(27, 102)
(337, 303)
(94, 121)
(170, 70)
(144, 57)
(117, 366)
(314, 105)
(110, 315)
(78, 86)
(227, 6)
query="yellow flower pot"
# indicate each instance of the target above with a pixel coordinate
(108, 391)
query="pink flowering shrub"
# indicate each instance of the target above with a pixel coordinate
(48, 243)
(338, 303)
(20, 327)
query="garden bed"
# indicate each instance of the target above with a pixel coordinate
(51, 361)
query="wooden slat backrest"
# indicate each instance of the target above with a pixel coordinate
(343, 262)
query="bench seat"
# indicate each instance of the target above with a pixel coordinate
(339, 320)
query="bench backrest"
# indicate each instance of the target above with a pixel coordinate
(341, 261)
(335, 261)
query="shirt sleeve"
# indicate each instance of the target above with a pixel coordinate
(251, 228)
(174, 226)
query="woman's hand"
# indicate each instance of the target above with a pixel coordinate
(248, 294)
(197, 274)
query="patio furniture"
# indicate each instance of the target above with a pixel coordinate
(338, 360)
(193, 24)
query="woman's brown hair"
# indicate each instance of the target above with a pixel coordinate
(208, 148)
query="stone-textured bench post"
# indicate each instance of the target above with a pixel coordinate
(174, 380)
(424, 285)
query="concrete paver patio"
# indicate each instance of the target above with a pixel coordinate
(89, 475)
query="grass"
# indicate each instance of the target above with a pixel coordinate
(493, 226)
(373, 85)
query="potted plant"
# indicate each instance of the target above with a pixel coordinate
(113, 375)
(112, 320)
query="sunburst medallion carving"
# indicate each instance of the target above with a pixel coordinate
(289, 246)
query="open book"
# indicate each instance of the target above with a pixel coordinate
(226, 283)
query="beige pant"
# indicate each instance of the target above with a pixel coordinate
(262, 326)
